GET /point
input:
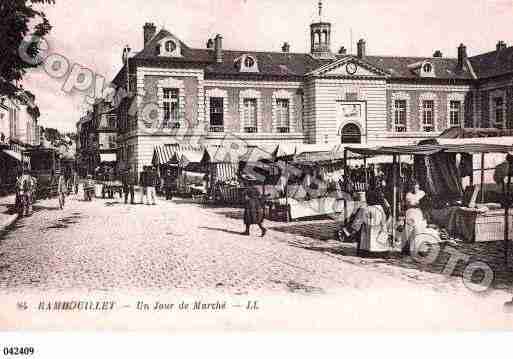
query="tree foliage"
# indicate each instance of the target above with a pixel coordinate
(19, 22)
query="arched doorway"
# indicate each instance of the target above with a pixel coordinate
(351, 134)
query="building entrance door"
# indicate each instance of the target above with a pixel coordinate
(351, 134)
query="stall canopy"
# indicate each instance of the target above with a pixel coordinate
(435, 164)
(164, 155)
(458, 132)
(176, 154)
(13, 154)
(425, 150)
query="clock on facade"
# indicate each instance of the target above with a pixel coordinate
(351, 68)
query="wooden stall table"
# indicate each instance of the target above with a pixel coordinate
(473, 224)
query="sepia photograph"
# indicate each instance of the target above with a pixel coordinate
(255, 166)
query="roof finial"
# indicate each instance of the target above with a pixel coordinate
(320, 10)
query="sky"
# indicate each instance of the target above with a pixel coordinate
(93, 33)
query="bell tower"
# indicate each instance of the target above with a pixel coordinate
(320, 37)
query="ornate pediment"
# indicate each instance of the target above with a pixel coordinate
(349, 66)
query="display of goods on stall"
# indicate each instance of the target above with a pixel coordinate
(444, 203)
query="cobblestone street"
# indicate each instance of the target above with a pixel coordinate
(105, 245)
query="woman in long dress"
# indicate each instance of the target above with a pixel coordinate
(416, 230)
(370, 227)
(253, 211)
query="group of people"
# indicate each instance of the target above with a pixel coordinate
(27, 189)
(149, 180)
(370, 226)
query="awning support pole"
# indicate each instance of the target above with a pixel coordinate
(471, 180)
(345, 181)
(394, 208)
(366, 172)
(399, 184)
(506, 216)
(482, 177)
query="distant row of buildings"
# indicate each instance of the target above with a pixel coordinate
(268, 98)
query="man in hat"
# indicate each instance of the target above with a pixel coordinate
(128, 186)
(169, 184)
(151, 185)
(23, 192)
(89, 188)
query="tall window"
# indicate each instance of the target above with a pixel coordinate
(283, 115)
(428, 116)
(170, 104)
(455, 113)
(499, 112)
(250, 115)
(216, 114)
(400, 116)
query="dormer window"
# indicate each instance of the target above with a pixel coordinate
(246, 63)
(249, 62)
(170, 46)
(423, 69)
(427, 69)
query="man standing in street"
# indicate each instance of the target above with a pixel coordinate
(75, 182)
(169, 184)
(61, 190)
(128, 186)
(151, 184)
(143, 183)
(23, 192)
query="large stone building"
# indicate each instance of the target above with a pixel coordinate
(207, 95)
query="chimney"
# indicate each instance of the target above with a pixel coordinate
(210, 44)
(285, 47)
(361, 48)
(438, 53)
(219, 48)
(462, 56)
(342, 51)
(501, 45)
(149, 31)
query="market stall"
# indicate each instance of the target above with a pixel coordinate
(439, 169)
(186, 164)
(223, 185)
(307, 184)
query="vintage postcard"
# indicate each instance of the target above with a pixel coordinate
(244, 165)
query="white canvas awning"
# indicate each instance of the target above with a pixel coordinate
(13, 154)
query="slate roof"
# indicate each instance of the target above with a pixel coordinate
(397, 67)
(493, 63)
(298, 64)
(269, 63)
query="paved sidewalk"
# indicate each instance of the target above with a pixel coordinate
(7, 217)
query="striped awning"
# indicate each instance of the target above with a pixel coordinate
(163, 155)
(223, 171)
(177, 154)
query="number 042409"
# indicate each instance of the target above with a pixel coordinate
(18, 351)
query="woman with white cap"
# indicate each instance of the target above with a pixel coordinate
(416, 226)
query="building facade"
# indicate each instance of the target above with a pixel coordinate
(19, 130)
(97, 133)
(176, 94)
